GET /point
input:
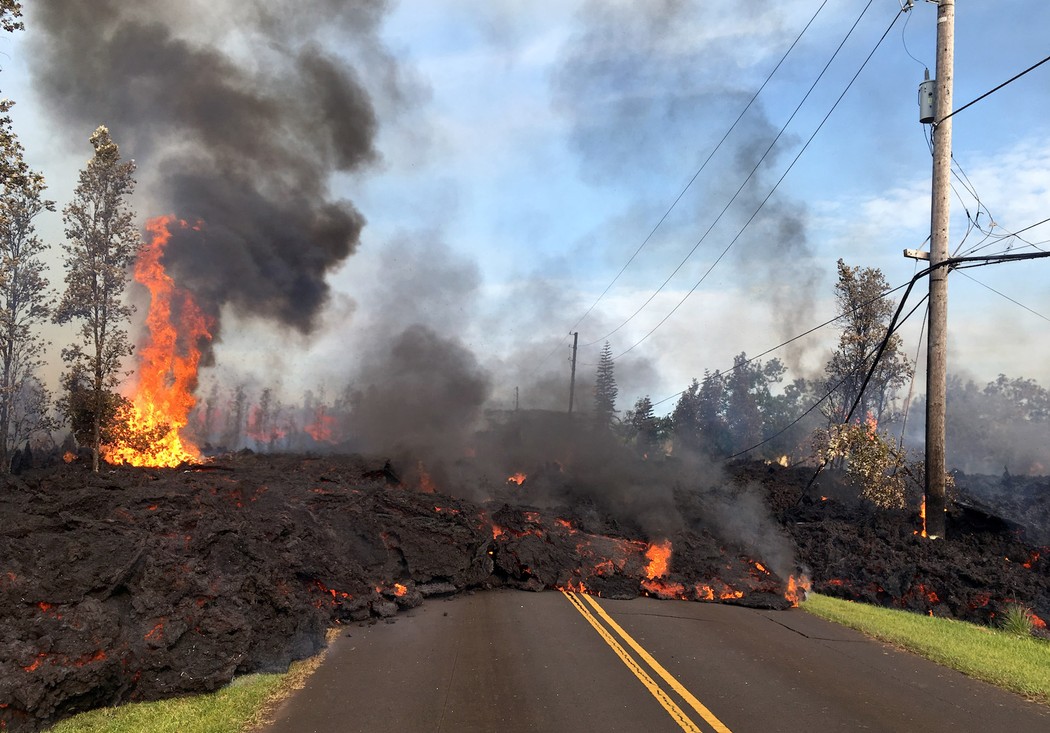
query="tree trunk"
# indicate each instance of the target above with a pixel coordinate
(96, 428)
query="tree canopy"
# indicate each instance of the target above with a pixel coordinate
(864, 320)
(102, 243)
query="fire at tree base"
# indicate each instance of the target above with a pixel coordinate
(139, 584)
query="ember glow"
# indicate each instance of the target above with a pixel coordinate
(516, 478)
(168, 361)
(659, 556)
(426, 484)
(322, 429)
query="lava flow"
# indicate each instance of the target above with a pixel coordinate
(168, 361)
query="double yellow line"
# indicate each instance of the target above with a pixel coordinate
(595, 615)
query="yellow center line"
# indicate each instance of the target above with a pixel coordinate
(675, 685)
(677, 714)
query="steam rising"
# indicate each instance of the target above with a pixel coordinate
(244, 143)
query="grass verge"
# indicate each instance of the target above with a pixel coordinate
(1014, 663)
(243, 705)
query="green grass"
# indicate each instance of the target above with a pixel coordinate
(1006, 660)
(241, 706)
(225, 711)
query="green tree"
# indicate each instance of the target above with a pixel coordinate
(10, 12)
(605, 390)
(750, 399)
(645, 428)
(1003, 425)
(11, 164)
(102, 242)
(24, 306)
(685, 420)
(712, 403)
(864, 321)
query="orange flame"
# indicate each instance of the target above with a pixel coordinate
(167, 370)
(659, 556)
(321, 429)
(797, 589)
(516, 478)
(922, 516)
(872, 425)
(426, 484)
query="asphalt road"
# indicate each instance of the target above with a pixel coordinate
(515, 661)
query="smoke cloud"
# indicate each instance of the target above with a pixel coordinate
(649, 89)
(238, 117)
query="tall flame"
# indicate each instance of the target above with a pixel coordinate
(168, 361)
(659, 556)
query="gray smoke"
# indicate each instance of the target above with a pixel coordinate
(649, 89)
(237, 117)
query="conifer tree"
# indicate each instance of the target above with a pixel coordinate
(605, 390)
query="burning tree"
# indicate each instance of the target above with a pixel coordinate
(102, 244)
(24, 402)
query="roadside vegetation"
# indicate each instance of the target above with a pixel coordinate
(243, 705)
(1015, 661)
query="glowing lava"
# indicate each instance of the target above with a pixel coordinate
(426, 484)
(659, 556)
(517, 478)
(168, 361)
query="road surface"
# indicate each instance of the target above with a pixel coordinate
(512, 661)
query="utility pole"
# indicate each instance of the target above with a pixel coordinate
(515, 399)
(937, 343)
(572, 379)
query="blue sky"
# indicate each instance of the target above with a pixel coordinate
(528, 148)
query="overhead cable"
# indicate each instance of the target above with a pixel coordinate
(700, 169)
(743, 185)
(767, 197)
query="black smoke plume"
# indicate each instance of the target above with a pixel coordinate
(237, 117)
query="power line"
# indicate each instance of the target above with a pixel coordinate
(700, 169)
(954, 263)
(1012, 79)
(795, 338)
(1008, 235)
(911, 385)
(1004, 295)
(873, 354)
(745, 182)
(769, 195)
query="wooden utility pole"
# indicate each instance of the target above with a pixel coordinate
(937, 344)
(572, 379)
